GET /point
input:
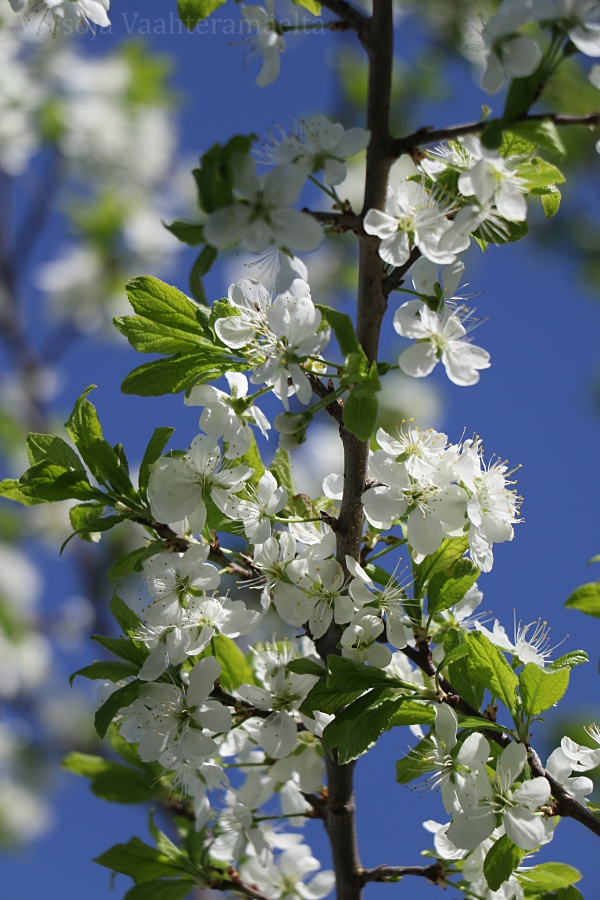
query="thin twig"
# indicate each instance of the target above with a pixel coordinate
(435, 873)
(396, 277)
(341, 221)
(425, 136)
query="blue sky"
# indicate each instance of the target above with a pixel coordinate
(534, 407)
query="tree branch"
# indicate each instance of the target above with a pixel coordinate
(425, 136)
(341, 221)
(565, 805)
(352, 17)
(396, 277)
(435, 873)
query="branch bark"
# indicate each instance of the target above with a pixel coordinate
(425, 136)
(352, 17)
(377, 40)
(434, 873)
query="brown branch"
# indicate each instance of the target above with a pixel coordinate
(341, 221)
(235, 883)
(435, 873)
(565, 805)
(335, 409)
(425, 136)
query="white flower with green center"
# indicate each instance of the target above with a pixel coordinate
(414, 218)
(167, 719)
(492, 507)
(493, 177)
(287, 878)
(438, 336)
(173, 579)
(420, 450)
(387, 602)
(318, 597)
(454, 763)
(178, 488)
(256, 508)
(526, 648)
(509, 54)
(359, 641)
(229, 416)
(519, 806)
(319, 144)
(262, 217)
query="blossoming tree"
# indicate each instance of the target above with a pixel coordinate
(241, 738)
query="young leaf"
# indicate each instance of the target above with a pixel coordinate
(111, 707)
(586, 599)
(343, 329)
(361, 733)
(48, 482)
(360, 414)
(126, 619)
(448, 587)
(311, 5)
(540, 690)
(165, 305)
(305, 667)
(180, 372)
(142, 862)
(132, 562)
(501, 860)
(48, 448)
(488, 667)
(281, 468)
(193, 11)
(551, 876)
(107, 670)
(235, 668)
(334, 732)
(551, 202)
(110, 780)
(84, 427)
(124, 648)
(442, 560)
(458, 671)
(568, 661)
(190, 233)
(153, 451)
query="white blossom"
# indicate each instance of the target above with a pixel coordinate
(226, 416)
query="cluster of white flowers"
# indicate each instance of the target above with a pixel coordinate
(444, 490)
(509, 54)
(66, 15)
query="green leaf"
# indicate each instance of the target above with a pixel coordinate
(522, 93)
(12, 490)
(180, 372)
(311, 5)
(235, 668)
(159, 440)
(411, 712)
(110, 780)
(48, 448)
(162, 303)
(281, 468)
(153, 337)
(84, 427)
(190, 233)
(540, 690)
(51, 482)
(162, 889)
(347, 722)
(362, 731)
(107, 670)
(549, 876)
(488, 667)
(458, 671)
(193, 11)
(305, 667)
(142, 862)
(214, 178)
(448, 587)
(132, 562)
(540, 174)
(111, 707)
(501, 860)
(568, 661)
(551, 202)
(543, 133)
(124, 648)
(345, 681)
(586, 599)
(360, 414)
(126, 619)
(343, 328)
(253, 459)
(442, 560)
(479, 724)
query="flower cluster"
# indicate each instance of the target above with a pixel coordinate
(443, 490)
